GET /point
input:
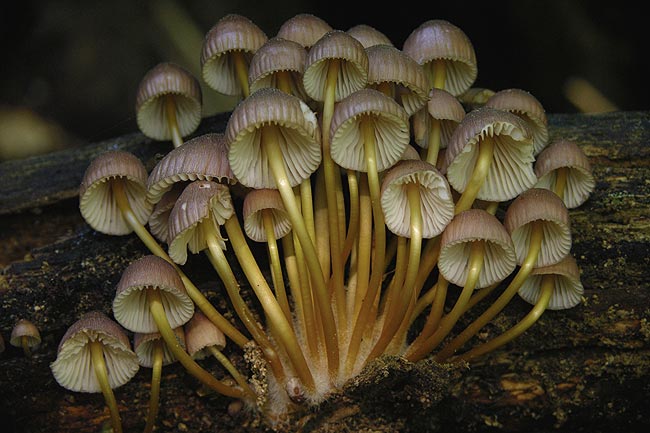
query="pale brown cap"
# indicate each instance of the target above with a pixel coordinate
(278, 55)
(538, 204)
(168, 79)
(472, 225)
(201, 333)
(304, 28)
(410, 152)
(159, 218)
(259, 200)
(201, 202)
(96, 199)
(567, 287)
(73, 369)
(387, 64)
(202, 158)
(442, 106)
(299, 138)
(352, 71)
(390, 125)
(525, 105)
(25, 328)
(232, 32)
(441, 40)
(436, 204)
(131, 306)
(143, 345)
(511, 171)
(368, 35)
(580, 179)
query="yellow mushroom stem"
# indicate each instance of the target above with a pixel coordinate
(157, 311)
(437, 308)
(220, 263)
(230, 368)
(24, 343)
(276, 267)
(241, 70)
(561, 176)
(364, 318)
(479, 174)
(271, 146)
(172, 120)
(428, 261)
(397, 309)
(154, 396)
(439, 73)
(474, 268)
(283, 81)
(353, 224)
(434, 141)
(199, 299)
(536, 236)
(364, 246)
(99, 365)
(546, 291)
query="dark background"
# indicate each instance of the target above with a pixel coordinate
(70, 69)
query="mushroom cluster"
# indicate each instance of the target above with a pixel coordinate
(356, 184)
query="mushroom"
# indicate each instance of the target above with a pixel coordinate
(539, 225)
(475, 97)
(446, 53)
(489, 157)
(554, 287)
(168, 103)
(368, 35)
(476, 251)
(526, 106)
(434, 124)
(25, 334)
(227, 49)
(304, 28)
(564, 168)
(95, 355)
(152, 352)
(159, 218)
(279, 63)
(150, 297)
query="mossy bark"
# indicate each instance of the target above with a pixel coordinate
(587, 368)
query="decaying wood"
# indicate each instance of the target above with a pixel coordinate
(583, 369)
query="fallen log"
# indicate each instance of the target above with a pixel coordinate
(587, 368)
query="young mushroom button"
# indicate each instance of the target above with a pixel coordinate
(25, 335)
(304, 29)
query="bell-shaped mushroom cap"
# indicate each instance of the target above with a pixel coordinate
(143, 345)
(131, 306)
(538, 204)
(409, 153)
(159, 218)
(567, 287)
(202, 158)
(200, 201)
(511, 171)
(390, 127)
(168, 79)
(580, 181)
(436, 204)
(444, 107)
(441, 40)
(255, 202)
(73, 367)
(473, 225)
(526, 106)
(298, 137)
(96, 197)
(25, 328)
(368, 35)
(275, 56)
(231, 33)
(387, 64)
(352, 71)
(475, 97)
(201, 333)
(305, 29)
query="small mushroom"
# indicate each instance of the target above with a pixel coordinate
(25, 334)
(168, 103)
(279, 63)
(304, 28)
(475, 97)
(95, 355)
(368, 35)
(226, 53)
